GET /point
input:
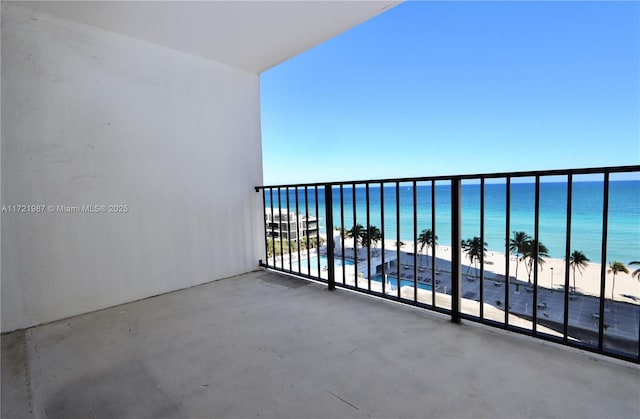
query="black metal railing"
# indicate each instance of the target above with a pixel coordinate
(337, 241)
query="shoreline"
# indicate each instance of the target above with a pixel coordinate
(390, 244)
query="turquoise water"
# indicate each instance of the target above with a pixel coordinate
(586, 218)
(393, 281)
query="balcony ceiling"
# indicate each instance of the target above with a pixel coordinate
(251, 35)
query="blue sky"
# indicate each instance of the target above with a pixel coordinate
(440, 88)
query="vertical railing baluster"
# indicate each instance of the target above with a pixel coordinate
(306, 236)
(507, 253)
(317, 232)
(455, 250)
(328, 204)
(415, 242)
(433, 245)
(280, 227)
(536, 251)
(482, 252)
(384, 277)
(298, 230)
(273, 219)
(567, 253)
(355, 239)
(368, 235)
(344, 276)
(289, 228)
(603, 265)
(398, 234)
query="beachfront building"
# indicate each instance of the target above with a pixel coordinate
(289, 225)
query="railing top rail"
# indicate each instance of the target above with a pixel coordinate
(531, 173)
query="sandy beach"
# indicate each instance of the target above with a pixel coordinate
(587, 282)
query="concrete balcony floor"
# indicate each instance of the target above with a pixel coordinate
(266, 345)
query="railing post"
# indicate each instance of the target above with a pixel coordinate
(455, 250)
(603, 264)
(328, 207)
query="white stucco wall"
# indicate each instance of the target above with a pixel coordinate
(91, 117)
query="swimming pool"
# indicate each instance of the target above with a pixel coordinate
(393, 281)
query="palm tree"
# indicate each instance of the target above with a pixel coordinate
(517, 245)
(375, 235)
(356, 234)
(533, 250)
(369, 236)
(577, 260)
(636, 273)
(427, 239)
(474, 248)
(615, 268)
(365, 240)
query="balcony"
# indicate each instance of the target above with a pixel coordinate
(121, 314)
(268, 345)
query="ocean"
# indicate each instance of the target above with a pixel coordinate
(623, 232)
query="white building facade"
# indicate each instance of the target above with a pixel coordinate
(289, 225)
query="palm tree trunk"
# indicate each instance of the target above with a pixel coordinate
(613, 286)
